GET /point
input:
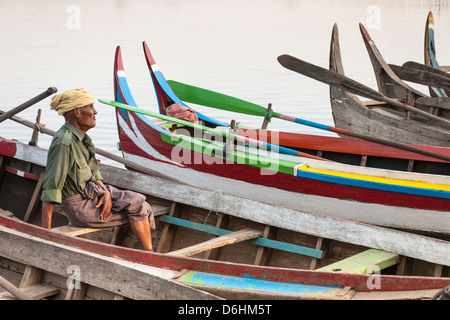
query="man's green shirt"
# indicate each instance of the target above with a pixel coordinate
(71, 164)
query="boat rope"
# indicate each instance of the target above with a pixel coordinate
(268, 115)
(39, 126)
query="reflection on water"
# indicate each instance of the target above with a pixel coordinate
(226, 46)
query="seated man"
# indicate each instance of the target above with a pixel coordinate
(72, 176)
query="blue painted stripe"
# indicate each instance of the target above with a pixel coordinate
(312, 124)
(279, 149)
(256, 285)
(374, 185)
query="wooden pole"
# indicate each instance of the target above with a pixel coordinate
(8, 286)
(28, 103)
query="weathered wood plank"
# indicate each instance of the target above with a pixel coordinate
(35, 199)
(34, 292)
(221, 241)
(438, 102)
(421, 77)
(75, 231)
(159, 209)
(395, 295)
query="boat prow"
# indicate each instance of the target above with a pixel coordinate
(165, 94)
(377, 118)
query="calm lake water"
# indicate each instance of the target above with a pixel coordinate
(227, 46)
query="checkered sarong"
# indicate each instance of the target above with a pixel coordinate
(81, 211)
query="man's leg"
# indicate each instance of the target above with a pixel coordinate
(142, 231)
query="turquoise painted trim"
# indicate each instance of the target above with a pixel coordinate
(268, 243)
(256, 285)
(312, 124)
(434, 62)
(374, 185)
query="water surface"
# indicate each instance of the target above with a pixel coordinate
(227, 46)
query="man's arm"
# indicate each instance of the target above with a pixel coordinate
(54, 179)
(47, 211)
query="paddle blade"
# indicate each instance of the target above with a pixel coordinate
(216, 100)
(328, 77)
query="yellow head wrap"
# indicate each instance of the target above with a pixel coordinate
(71, 99)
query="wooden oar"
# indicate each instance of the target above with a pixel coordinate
(422, 67)
(28, 103)
(342, 82)
(220, 101)
(247, 140)
(421, 77)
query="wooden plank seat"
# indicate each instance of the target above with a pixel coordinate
(72, 230)
(367, 262)
(229, 238)
(263, 242)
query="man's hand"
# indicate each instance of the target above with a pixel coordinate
(104, 200)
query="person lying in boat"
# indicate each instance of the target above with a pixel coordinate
(176, 110)
(73, 178)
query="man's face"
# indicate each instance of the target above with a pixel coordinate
(86, 117)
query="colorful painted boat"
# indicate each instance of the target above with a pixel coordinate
(380, 118)
(287, 254)
(383, 197)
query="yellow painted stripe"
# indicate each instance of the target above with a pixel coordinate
(398, 182)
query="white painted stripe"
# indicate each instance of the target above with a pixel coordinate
(154, 67)
(296, 168)
(121, 73)
(138, 139)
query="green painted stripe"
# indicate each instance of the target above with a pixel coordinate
(206, 147)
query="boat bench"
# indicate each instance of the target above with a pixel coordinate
(226, 237)
(367, 262)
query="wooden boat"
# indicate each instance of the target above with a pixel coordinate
(380, 118)
(262, 251)
(333, 189)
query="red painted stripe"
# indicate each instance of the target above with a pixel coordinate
(22, 173)
(7, 148)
